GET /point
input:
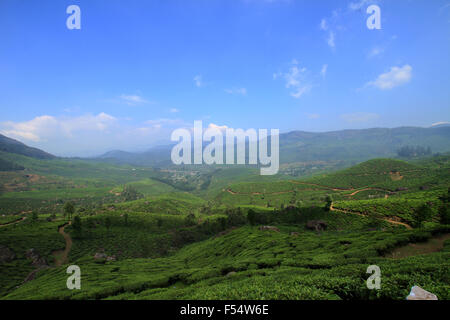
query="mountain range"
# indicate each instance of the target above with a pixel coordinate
(300, 146)
(350, 146)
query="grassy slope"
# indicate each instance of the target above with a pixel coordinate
(273, 265)
(267, 265)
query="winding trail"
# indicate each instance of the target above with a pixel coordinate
(257, 193)
(61, 256)
(12, 222)
(365, 189)
(322, 188)
(407, 226)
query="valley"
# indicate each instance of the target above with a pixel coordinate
(224, 232)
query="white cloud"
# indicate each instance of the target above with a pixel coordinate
(198, 80)
(240, 91)
(301, 91)
(395, 77)
(324, 25)
(298, 79)
(358, 5)
(440, 123)
(295, 80)
(358, 117)
(165, 122)
(132, 99)
(376, 51)
(323, 71)
(330, 40)
(44, 128)
(215, 126)
(174, 110)
(90, 135)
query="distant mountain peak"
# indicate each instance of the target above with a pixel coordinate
(13, 146)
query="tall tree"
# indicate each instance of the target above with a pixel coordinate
(76, 225)
(69, 210)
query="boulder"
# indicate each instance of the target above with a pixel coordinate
(417, 293)
(100, 255)
(317, 225)
(36, 258)
(269, 228)
(6, 255)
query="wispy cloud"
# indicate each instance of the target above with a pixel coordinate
(166, 122)
(375, 51)
(296, 80)
(330, 40)
(440, 123)
(359, 4)
(45, 127)
(174, 110)
(218, 127)
(359, 117)
(323, 71)
(132, 100)
(198, 80)
(395, 77)
(237, 91)
(299, 79)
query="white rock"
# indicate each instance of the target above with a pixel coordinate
(417, 293)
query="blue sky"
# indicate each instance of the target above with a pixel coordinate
(136, 70)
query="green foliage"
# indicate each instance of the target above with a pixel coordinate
(34, 216)
(108, 223)
(177, 245)
(6, 165)
(329, 202)
(69, 209)
(190, 220)
(77, 226)
(130, 193)
(251, 217)
(422, 214)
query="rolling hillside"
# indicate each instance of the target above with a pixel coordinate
(13, 146)
(348, 146)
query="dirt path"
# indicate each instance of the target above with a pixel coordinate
(258, 193)
(434, 244)
(12, 222)
(365, 189)
(61, 256)
(316, 185)
(390, 220)
(323, 187)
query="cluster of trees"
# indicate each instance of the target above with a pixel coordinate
(130, 193)
(444, 208)
(411, 152)
(9, 166)
(425, 213)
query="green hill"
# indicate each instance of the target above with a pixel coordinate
(14, 146)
